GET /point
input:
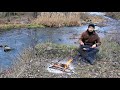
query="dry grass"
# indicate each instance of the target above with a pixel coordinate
(58, 19)
(116, 36)
(19, 66)
(51, 19)
(89, 18)
(115, 15)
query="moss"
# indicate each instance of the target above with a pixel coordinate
(54, 50)
(14, 26)
(34, 26)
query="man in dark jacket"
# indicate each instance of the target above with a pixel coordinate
(89, 42)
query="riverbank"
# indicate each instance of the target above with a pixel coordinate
(33, 63)
(17, 26)
(115, 15)
(48, 19)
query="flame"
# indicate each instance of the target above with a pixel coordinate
(68, 63)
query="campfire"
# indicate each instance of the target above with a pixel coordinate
(61, 66)
(68, 63)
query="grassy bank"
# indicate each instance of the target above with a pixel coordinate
(34, 63)
(115, 15)
(51, 50)
(48, 19)
(15, 26)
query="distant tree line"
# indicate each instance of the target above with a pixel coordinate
(33, 14)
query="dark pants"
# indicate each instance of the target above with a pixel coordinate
(89, 54)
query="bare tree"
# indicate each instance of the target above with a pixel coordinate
(35, 14)
(66, 13)
(3, 14)
(8, 16)
(51, 14)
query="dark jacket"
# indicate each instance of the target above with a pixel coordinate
(90, 38)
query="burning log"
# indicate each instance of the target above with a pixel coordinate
(68, 63)
(61, 66)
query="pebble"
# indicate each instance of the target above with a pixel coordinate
(49, 48)
(118, 74)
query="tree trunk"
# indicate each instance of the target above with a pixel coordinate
(35, 14)
(8, 16)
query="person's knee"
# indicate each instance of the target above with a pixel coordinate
(96, 50)
(80, 45)
(79, 50)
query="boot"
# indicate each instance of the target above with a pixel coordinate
(90, 60)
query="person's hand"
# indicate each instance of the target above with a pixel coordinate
(94, 46)
(81, 43)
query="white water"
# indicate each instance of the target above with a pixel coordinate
(97, 13)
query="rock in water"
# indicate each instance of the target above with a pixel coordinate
(7, 48)
(59, 39)
(1, 45)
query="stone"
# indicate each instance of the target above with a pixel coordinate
(49, 48)
(60, 39)
(7, 48)
(118, 74)
(1, 45)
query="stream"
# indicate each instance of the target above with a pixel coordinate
(20, 39)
